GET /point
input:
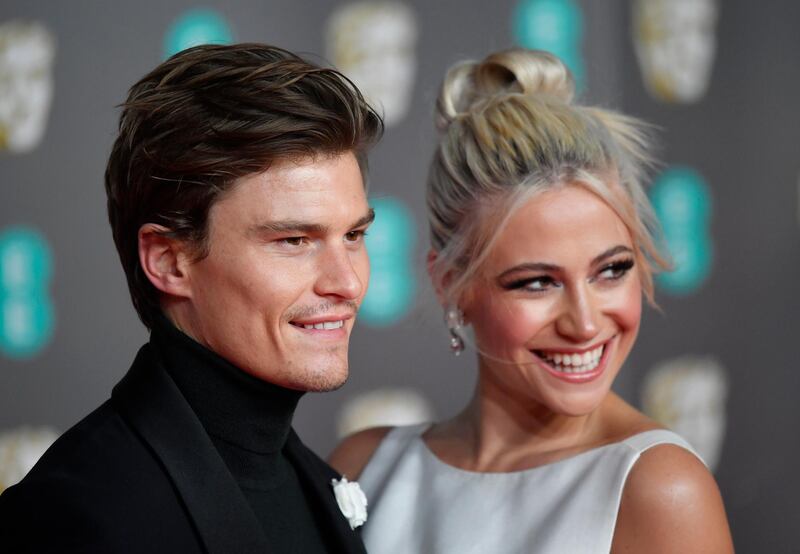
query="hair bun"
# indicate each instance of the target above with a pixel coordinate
(514, 71)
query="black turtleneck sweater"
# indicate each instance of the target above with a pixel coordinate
(248, 421)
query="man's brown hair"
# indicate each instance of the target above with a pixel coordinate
(208, 116)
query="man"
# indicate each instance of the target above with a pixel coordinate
(237, 204)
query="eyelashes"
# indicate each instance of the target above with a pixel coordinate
(351, 237)
(611, 272)
(619, 268)
(541, 282)
(354, 236)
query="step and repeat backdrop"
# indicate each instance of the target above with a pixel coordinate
(720, 82)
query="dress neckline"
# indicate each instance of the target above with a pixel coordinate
(430, 455)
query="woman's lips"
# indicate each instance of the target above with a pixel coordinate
(574, 367)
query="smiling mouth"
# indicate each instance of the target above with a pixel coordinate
(569, 362)
(323, 325)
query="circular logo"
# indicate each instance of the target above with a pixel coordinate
(390, 244)
(555, 26)
(26, 310)
(682, 202)
(196, 27)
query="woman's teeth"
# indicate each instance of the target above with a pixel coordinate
(326, 325)
(573, 363)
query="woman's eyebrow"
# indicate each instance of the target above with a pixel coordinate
(543, 266)
(613, 251)
(529, 266)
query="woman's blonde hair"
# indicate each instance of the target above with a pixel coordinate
(509, 130)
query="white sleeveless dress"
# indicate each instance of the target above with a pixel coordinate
(420, 505)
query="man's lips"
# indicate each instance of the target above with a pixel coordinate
(327, 322)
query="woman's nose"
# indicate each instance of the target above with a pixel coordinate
(578, 320)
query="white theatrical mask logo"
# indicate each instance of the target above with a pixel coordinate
(374, 43)
(383, 407)
(688, 395)
(675, 42)
(27, 50)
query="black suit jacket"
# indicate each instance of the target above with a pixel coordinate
(140, 474)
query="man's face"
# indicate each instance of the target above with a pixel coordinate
(286, 271)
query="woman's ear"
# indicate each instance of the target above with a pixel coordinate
(164, 260)
(440, 283)
(437, 279)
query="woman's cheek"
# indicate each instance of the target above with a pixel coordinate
(626, 307)
(508, 325)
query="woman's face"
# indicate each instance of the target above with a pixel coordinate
(556, 308)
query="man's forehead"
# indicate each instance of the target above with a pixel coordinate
(302, 187)
(312, 165)
(313, 200)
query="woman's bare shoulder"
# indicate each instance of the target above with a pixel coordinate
(622, 421)
(352, 454)
(671, 503)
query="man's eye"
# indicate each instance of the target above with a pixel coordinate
(616, 270)
(355, 236)
(293, 241)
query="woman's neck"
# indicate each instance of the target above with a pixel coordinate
(502, 429)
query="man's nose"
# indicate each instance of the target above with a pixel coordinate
(578, 319)
(338, 275)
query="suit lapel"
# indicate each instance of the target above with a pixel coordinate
(315, 475)
(151, 402)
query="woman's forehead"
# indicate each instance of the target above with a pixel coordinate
(565, 222)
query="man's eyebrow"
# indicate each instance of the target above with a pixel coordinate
(540, 266)
(366, 220)
(288, 226)
(296, 226)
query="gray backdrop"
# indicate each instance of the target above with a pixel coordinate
(743, 137)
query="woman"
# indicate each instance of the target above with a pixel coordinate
(542, 242)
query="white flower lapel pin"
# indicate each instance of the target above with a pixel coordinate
(351, 500)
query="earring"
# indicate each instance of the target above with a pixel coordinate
(454, 319)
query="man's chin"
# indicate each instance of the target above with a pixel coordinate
(327, 387)
(328, 380)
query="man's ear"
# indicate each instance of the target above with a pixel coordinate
(164, 260)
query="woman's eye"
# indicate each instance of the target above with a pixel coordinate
(540, 283)
(532, 284)
(616, 270)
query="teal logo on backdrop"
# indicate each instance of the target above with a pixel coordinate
(26, 311)
(682, 202)
(196, 27)
(390, 244)
(555, 26)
